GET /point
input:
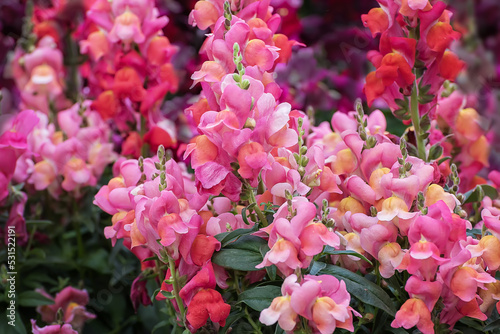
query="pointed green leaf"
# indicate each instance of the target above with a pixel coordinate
(32, 299)
(435, 152)
(475, 194)
(331, 251)
(237, 259)
(260, 297)
(231, 236)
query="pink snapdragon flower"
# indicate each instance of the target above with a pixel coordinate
(244, 120)
(127, 20)
(322, 300)
(414, 313)
(14, 145)
(294, 241)
(52, 329)
(41, 78)
(72, 302)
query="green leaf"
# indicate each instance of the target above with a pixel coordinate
(38, 253)
(39, 222)
(361, 288)
(475, 194)
(331, 251)
(271, 272)
(98, 261)
(435, 152)
(231, 236)
(155, 293)
(424, 89)
(423, 99)
(425, 122)
(151, 258)
(279, 330)
(260, 297)
(231, 319)
(248, 242)
(472, 323)
(167, 294)
(32, 299)
(402, 103)
(11, 323)
(221, 236)
(492, 325)
(19, 327)
(397, 330)
(440, 161)
(412, 150)
(35, 280)
(159, 325)
(242, 254)
(237, 259)
(474, 232)
(244, 213)
(316, 267)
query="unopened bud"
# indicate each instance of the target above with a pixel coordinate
(161, 152)
(250, 123)
(245, 84)
(240, 68)
(359, 108)
(371, 141)
(362, 134)
(300, 121)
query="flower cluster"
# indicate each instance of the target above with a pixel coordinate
(415, 36)
(323, 300)
(71, 158)
(157, 211)
(14, 148)
(253, 213)
(39, 76)
(129, 70)
(238, 117)
(462, 133)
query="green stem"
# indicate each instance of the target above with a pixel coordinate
(252, 323)
(252, 199)
(72, 63)
(77, 227)
(415, 119)
(30, 241)
(176, 289)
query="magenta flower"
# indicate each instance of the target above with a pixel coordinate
(52, 329)
(72, 303)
